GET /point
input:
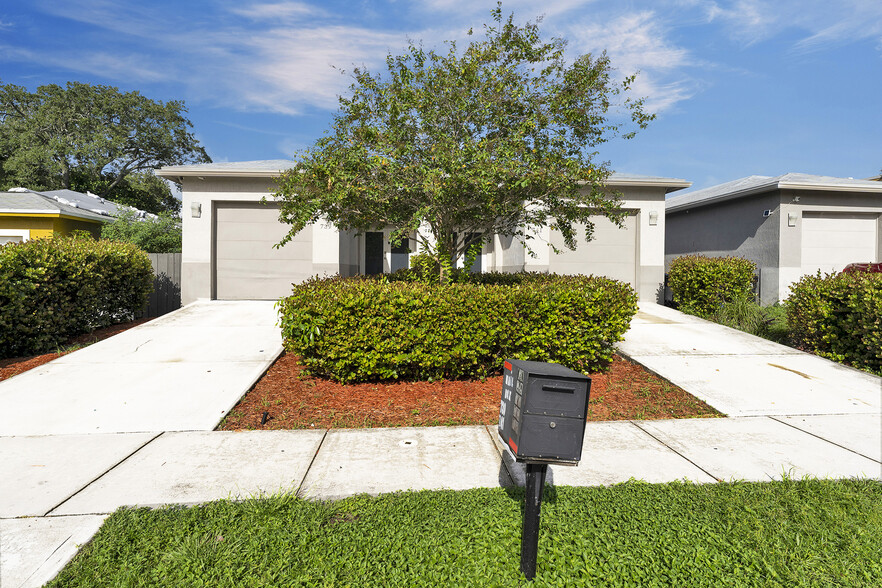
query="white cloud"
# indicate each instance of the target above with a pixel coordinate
(297, 67)
(638, 42)
(822, 21)
(111, 65)
(253, 57)
(276, 11)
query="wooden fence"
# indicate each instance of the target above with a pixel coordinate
(166, 295)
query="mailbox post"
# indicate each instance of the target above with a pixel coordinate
(541, 421)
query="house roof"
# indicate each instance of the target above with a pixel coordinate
(274, 167)
(758, 184)
(21, 200)
(243, 169)
(87, 201)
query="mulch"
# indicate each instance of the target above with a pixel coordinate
(15, 365)
(288, 398)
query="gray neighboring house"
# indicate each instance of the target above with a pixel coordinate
(228, 238)
(789, 225)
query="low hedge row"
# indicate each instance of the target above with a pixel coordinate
(700, 284)
(358, 329)
(839, 317)
(54, 289)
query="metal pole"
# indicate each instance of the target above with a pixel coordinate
(530, 528)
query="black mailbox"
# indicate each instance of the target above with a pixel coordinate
(543, 411)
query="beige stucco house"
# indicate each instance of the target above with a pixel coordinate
(229, 234)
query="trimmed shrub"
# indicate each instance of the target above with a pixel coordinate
(839, 317)
(54, 289)
(701, 284)
(360, 329)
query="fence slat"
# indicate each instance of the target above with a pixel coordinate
(166, 295)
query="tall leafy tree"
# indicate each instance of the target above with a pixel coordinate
(83, 136)
(500, 138)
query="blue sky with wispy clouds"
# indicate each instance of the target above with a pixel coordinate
(740, 87)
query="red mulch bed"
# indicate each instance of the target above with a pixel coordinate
(16, 365)
(294, 400)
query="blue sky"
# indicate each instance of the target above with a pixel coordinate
(740, 87)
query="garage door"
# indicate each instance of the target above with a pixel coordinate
(612, 252)
(247, 267)
(830, 241)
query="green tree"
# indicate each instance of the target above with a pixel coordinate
(93, 137)
(161, 234)
(499, 139)
(142, 190)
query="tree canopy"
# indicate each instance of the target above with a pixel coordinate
(500, 138)
(161, 234)
(96, 138)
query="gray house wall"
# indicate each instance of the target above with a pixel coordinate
(776, 242)
(731, 228)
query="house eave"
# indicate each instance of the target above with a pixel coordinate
(781, 185)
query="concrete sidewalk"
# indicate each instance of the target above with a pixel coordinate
(790, 414)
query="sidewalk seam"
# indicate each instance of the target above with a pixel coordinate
(676, 452)
(311, 462)
(778, 419)
(104, 473)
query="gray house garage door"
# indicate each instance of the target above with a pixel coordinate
(246, 265)
(832, 240)
(612, 252)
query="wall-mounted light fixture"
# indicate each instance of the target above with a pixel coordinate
(767, 213)
(791, 219)
(196, 209)
(653, 218)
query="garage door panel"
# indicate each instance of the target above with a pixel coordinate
(274, 232)
(263, 250)
(248, 212)
(612, 252)
(830, 241)
(246, 264)
(269, 288)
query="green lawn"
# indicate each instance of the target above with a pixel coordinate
(791, 533)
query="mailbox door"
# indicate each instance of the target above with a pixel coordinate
(557, 397)
(540, 440)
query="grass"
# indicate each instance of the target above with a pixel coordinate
(788, 533)
(769, 322)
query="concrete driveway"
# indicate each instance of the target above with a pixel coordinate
(181, 372)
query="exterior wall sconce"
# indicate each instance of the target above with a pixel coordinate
(653, 218)
(791, 219)
(196, 209)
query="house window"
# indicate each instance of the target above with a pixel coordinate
(400, 255)
(14, 236)
(373, 253)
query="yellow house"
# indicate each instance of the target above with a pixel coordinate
(25, 214)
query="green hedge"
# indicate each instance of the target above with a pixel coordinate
(54, 289)
(839, 317)
(699, 284)
(359, 329)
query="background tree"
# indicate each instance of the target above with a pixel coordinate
(160, 234)
(499, 139)
(87, 137)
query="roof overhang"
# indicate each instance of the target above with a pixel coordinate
(56, 213)
(771, 186)
(669, 184)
